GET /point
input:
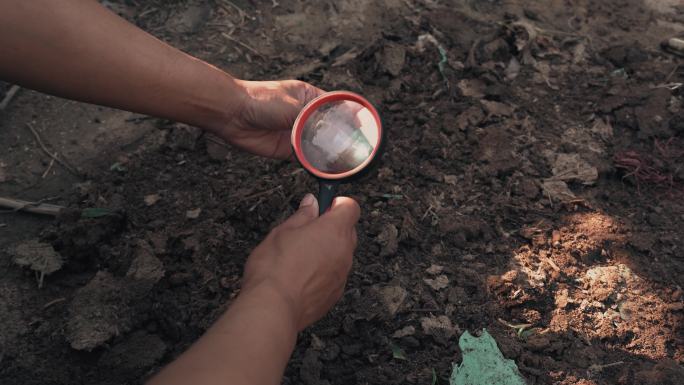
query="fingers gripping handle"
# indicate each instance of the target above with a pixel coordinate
(326, 193)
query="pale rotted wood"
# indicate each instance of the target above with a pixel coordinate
(31, 207)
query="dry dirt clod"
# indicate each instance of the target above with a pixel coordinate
(439, 327)
(98, 312)
(388, 240)
(497, 108)
(145, 266)
(393, 57)
(473, 88)
(392, 297)
(471, 117)
(138, 351)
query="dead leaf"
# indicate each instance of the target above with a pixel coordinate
(558, 190)
(346, 57)
(603, 129)
(434, 269)
(572, 168)
(496, 109)
(440, 282)
(38, 256)
(299, 70)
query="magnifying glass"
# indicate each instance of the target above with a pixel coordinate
(335, 138)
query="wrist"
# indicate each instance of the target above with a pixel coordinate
(221, 103)
(271, 294)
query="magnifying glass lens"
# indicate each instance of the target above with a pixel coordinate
(339, 136)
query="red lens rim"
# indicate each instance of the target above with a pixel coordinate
(313, 106)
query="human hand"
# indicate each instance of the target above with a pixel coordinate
(263, 120)
(307, 258)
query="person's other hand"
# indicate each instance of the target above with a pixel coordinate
(307, 258)
(263, 120)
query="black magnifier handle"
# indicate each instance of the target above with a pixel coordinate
(326, 193)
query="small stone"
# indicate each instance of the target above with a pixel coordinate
(193, 214)
(151, 199)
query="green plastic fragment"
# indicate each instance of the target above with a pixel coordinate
(117, 167)
(483, 363)
(97, 212)
(397, 352)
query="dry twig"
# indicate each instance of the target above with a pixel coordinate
(51, 155)
(234, 40)
(9, 96)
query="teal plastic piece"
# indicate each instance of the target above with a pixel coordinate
(483, 363)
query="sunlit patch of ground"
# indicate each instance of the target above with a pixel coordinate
(575, 278)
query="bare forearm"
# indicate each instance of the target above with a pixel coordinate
(249, 345)
(80, 50)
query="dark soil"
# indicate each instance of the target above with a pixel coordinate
(474, 219)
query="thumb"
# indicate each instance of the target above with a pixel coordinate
(308, 211)
(344, 212)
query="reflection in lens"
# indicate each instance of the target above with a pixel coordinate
(339, 136)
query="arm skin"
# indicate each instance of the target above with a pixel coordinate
(80, 50)
(291, 280)
(249, 345)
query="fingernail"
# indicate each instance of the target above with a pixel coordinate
(308, 200)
